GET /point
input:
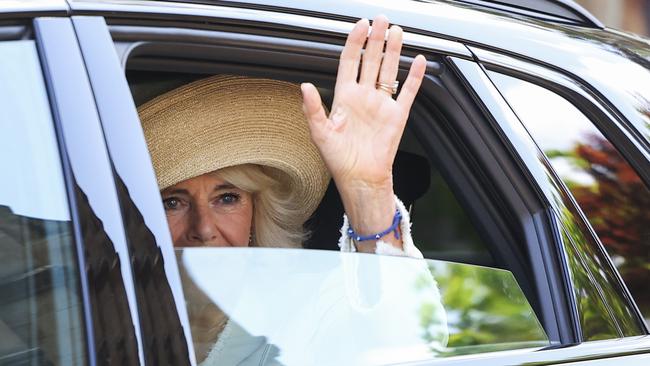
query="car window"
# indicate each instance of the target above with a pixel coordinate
(610, 193)
(484, 308)
(303, 307)
(41, 317)
(442, 228)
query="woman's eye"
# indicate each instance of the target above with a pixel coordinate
(229, 198)
(171, 203)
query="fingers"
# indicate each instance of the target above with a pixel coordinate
(313, 108)
(390, 63)
(349, 61)
(374, 50)
(412, 83)
(375, 65)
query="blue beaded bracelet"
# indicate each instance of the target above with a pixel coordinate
(393, 228)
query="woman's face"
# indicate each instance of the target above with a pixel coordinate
(207, 211)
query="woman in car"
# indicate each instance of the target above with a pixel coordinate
(218, 144)
(245, 161)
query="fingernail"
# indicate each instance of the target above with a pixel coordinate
(381, 17)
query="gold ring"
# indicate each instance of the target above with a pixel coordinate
(390, 88)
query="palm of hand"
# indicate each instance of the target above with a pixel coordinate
(359, 139)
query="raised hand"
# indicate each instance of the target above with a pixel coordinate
(359, 139)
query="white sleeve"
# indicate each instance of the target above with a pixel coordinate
(408, 248)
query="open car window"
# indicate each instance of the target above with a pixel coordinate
(293, 307)
(437, 174)
(298, 307)
(441, 227)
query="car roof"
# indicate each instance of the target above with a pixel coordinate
(445, 18)
(454, 20)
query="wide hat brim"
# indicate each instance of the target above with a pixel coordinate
(223, 121)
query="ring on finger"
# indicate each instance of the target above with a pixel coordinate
(390, 88)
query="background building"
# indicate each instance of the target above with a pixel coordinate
(628, 15)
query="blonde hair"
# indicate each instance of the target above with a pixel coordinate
(276, 218)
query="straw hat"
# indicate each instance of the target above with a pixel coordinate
(223, 121)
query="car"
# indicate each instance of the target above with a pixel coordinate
(525, 165)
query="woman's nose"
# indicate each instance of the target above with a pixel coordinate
(204, 229)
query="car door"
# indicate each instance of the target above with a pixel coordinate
(474, 158)
(511, 90)
(66, 282)
(128, 150)
(40, 277)
(95, 40)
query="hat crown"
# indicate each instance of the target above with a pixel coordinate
(224, 121)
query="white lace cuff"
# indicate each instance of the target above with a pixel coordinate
(408, 248)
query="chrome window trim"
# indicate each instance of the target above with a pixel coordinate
(587, 351)
(22, 6)
(493, 59)
(282, 19)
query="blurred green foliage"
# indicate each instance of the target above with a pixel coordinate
(486, 310)
(617, 204)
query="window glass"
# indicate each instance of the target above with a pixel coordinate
(609, 191)
(304, 307)
(41, 319)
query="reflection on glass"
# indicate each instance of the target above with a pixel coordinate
(622, 69)
(486, 310)
(603, 315)
(158, 313)
(41, 321)
(610, 193)
(300, 307)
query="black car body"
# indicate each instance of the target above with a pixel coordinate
(491, 173)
